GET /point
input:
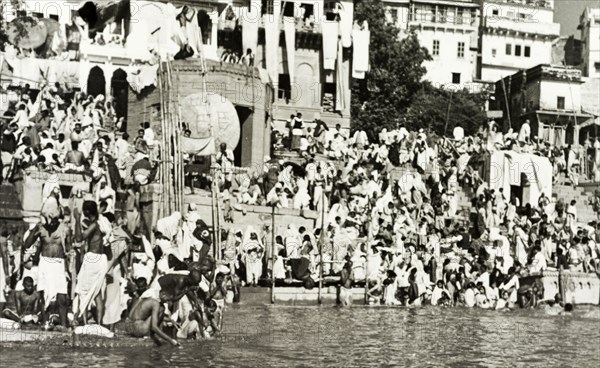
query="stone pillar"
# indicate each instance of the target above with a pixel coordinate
(84, 73)
(108, 70)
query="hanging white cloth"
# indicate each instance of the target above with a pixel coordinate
(250, 20)
(360, 52)
(192, 31)
(340, 85)
(346, 11)
(330, 30)
(289, 27)
(271, 22)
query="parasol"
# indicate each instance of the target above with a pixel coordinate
(211, 115)
(27, 33)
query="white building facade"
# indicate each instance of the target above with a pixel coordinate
(589, 24)
(515, 35)
(448, 30)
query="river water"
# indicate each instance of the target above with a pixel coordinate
(326, 336)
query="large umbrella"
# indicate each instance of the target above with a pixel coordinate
(27, 33)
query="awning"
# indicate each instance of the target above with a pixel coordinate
(590, 122)
(561, 116)
(198, 146)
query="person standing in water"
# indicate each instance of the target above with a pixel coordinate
(346, 284)
(146, 317)
(91, 281)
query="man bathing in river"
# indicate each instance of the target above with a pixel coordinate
(146, 316)
(54, 239)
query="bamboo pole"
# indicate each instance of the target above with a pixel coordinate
(174, 203)
(169, 139)
(273, 249)
(163, 140)
(180, 131)
(216, 226)
(177, 150)
(212, 211)
(367, 251)
(170, 128)
(321, 246)
(178, 189)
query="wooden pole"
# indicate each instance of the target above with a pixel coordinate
(218, 208)
(321, 245)
(172, 122)
(172, 179)
(367, 252)
(163, 158)
(448, 113)
(506, 101)
(180, 153)
(273, 250)
(166, 183)
(212, 208)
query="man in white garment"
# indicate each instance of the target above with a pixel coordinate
(525, 132)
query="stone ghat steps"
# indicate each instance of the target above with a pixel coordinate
(585, 211)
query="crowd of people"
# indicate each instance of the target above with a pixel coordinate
(93, 255)
(391, 220)
(406, 236)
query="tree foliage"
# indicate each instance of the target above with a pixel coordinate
(431, 107)
(396, 71)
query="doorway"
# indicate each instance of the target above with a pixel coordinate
(119, 91)
(96, 83)
(245, 116)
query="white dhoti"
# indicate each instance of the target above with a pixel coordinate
(253, 270)
(188, 326)
(220, 304)
(345, 296)
(52, 279)
(279, 269)
(91, 279)
(6, 158)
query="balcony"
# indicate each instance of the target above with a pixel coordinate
(547, 4)
(307, 25)
(522, 26)
(442, 21)
(110, 51)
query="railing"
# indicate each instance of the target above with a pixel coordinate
(524, 26)
(442, 19)
(302, 25)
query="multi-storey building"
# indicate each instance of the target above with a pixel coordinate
(549, 97)
(589, 24)
(448, 30)
(515, 35)
(397, 13)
